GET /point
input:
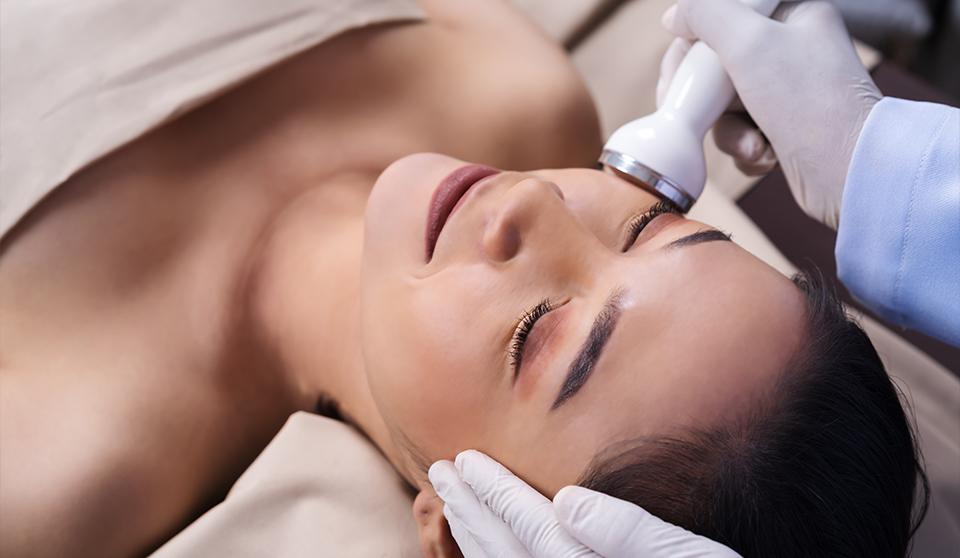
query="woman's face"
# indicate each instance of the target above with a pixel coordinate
(628, 339)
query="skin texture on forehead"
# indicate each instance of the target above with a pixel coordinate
(702, 331)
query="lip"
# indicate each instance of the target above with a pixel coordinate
(446, 197)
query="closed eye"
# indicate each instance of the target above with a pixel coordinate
(518, 340)
(639, 222)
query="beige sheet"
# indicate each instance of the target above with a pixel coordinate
(81, 78)
(319, 489)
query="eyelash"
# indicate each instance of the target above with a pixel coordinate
(520, 333)
(638, 222)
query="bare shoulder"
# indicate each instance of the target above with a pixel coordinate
(519, 73)
(476, 80)
(55, 486)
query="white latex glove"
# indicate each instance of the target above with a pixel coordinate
(494, 514)
(799, 78)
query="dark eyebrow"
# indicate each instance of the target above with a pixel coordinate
(699, 237)
(606, 321)
(586, 359)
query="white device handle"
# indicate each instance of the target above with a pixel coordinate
(701, 90)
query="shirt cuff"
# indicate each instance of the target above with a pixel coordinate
(878, 199)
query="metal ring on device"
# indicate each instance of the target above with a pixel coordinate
(648, 177)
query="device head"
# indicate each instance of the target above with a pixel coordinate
(661, 154)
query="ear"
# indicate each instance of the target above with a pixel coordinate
(435, 538)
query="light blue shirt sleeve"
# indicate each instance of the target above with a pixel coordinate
(898, 243)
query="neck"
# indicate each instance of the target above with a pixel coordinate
(305, 303)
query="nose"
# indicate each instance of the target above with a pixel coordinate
(528, 202)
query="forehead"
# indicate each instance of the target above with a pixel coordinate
(703, 338)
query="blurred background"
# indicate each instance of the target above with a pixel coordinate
(923, 36)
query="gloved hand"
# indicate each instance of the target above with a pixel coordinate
(494, 514)
(801, 81)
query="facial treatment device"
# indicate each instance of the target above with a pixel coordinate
(663, 152)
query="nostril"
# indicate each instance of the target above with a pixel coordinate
(501, 239)
(526, 202)
(536, 184)
(558, 191)
(550, 187)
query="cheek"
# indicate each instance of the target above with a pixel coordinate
(600, 201)
(428, 363)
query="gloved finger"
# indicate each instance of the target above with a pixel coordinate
(487, 532)
(615, 528)
(468, 546)
(737, 136)
(785, 10)
(528, 513)
(493, 540)
(668, 65)
(810, 13)
(725, 25)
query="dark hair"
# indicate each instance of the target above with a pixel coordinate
(827, 466)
